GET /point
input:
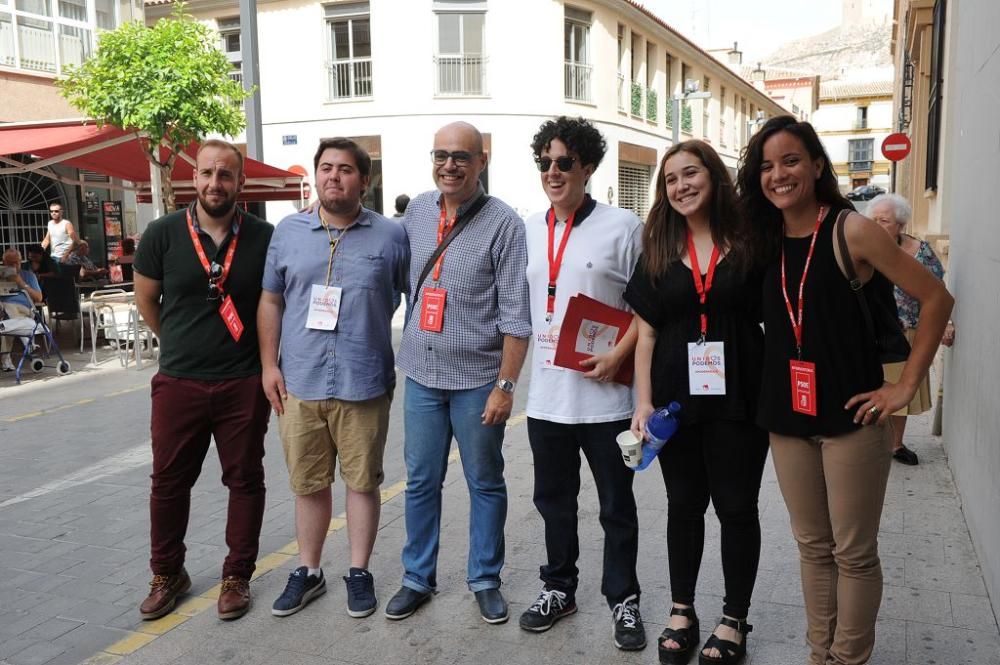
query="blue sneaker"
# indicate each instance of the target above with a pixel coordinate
(361, 599)
(300, 590)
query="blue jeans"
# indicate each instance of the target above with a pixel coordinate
(432, 417)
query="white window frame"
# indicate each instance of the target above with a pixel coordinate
(461, 8)
(339, 13)
(89, 24)
(578, 74)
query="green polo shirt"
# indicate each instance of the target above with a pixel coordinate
(194, 341)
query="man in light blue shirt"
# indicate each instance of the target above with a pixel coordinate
(17, 305)
(328, 303)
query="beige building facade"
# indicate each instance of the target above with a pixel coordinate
(389, 73)
(946, 100)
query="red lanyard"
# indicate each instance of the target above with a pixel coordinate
(555, 258)
(797, 324)
(200, 251)
(702, 289)
(444, 226)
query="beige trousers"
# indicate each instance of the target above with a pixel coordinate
(834, 488)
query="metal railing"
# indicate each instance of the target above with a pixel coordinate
(20, 228)
(859, 165)
(861, 124)
(460, 75)
(350, 78)
(578, 81)
(622, 93)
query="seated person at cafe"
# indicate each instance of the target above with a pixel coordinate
(15, 304)
(80, 256)
(40, 263)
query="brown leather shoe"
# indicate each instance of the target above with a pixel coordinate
(163, 592)
(234, 598)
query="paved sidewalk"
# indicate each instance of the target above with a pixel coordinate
(935, 608)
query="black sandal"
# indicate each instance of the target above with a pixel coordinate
(731, 653)
(687, 638)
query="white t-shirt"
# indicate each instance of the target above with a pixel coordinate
(600, 256)
(59, 239)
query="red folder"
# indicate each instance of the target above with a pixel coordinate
(580, 309)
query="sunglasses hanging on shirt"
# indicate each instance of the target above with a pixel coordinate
(214, 275)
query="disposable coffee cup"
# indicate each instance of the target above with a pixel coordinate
(631, 448)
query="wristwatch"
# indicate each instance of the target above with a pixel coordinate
(506, 385)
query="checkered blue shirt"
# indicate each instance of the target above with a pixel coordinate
(483, 273)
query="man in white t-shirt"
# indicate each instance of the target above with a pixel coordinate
(580, 246)
(61, 235)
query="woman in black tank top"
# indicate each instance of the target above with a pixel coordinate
(823, 398)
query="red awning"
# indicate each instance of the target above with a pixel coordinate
(119, 154)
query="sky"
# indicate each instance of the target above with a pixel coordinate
(760, 26)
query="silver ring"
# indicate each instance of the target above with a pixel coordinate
(874, 411)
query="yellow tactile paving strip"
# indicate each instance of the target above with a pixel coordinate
(194, 605)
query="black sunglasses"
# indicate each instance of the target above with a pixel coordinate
(214, 275)
(460, 157)
(564, 164)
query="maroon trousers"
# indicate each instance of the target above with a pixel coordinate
(187, 413)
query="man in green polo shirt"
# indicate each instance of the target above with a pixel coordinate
(197, 282)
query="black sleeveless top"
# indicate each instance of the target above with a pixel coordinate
(834, 337)
(733, 307)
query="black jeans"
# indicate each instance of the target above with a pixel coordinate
(723, 461)
(556, 449)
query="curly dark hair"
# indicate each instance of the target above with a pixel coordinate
(664, 238)
(765, 219)
(577, 133)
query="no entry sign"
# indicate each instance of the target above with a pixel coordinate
(896, 146)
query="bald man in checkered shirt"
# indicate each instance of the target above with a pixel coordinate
(462, 351)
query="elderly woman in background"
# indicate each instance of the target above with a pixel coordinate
(893, 213)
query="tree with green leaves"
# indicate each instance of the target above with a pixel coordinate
(170, 82)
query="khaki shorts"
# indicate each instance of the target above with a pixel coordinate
(315, 432)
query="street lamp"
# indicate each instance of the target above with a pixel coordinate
(691, 87)
(754, 125)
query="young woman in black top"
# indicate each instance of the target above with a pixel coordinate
(695, 242)
(823, 398)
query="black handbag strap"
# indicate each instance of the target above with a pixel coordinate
(852, 275)
(462, 221)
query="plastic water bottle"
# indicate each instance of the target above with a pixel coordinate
(660, 426)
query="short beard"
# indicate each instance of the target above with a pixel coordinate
(340, 209)
(220, 210)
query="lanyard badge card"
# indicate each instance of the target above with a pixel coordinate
(802, 373)
(433, 299)
(324, 300)
(706, 360)
(230, 317)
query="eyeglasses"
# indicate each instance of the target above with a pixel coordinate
(214, 275)
(460, 157)
(564, 164)
(55, 212)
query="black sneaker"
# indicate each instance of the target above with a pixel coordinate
(361, 600)
(550, 606)
(301, 588)
(630, 635)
